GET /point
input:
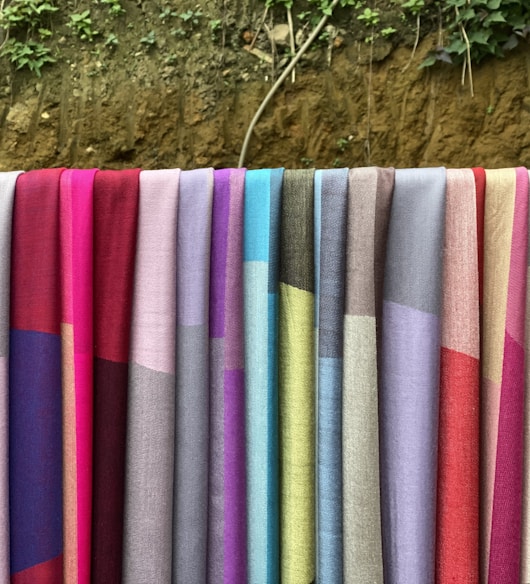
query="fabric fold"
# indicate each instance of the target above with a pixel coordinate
(331, 197)
(505, 265)
(525, 527)
(458, 492)
(8, 182)
(151, 392)
(410, 375)
(261, 248)
(369, 200)
(35, 418)
(231, 376)
(297, 379)
(190, 494)
(227, 525)
(76, 224)
(115, 228)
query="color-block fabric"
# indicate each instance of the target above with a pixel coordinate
(410, 375)
(115, 204)
(35, 416)
(331, 197)
(369, 200)
(8, 182)
(150, 451)
(260, 272)
(297, 379)
(192, 409)
(480, 193)
(227, 546)
(505, 267)
(525, 527)
(458, 493)
(230, 376)
(77, 344)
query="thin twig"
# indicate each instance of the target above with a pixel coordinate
(440, 27)
(416, 41)
(468, 56)
(265, 12)
(291, 39)
(3, 40)
(330, 48)
(280, 80)
(369, 105)
(273, 50)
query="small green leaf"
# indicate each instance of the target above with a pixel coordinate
(494, 17)
(429, 61)
(457, 46)
(494, 4)
(466, 14)
(480, 36)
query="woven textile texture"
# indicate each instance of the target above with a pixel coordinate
(267, 376)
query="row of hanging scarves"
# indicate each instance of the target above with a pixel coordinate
(264, 376)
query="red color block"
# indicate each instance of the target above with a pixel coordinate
(50, 572)
(115, 225)
(457, 529)
(35, 269)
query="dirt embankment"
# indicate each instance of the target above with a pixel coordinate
(187, 101)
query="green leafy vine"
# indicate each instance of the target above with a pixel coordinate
(477, 29)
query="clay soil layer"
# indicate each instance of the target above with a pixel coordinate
(186, 99)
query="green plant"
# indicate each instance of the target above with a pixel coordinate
(115, 7)
(303, 15)
(388, 31)
(81, 25)
(342, 143)
(30, 54)
(149, 40)
(415, 7)
(215, 24)
(166, 13)
(284, 3)
(27, 19)
(323, 37)
(111, 40)
(171, 59)
(480, 28)
(178, 32)
(216, 27)
(191, 16)
(369, 17)
(324, 6)
(25, 14)
(44, 32)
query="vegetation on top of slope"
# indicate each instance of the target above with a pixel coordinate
(468, 30)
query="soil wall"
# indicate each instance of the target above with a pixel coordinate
(133, 109)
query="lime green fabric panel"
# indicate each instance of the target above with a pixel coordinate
(297, 435)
